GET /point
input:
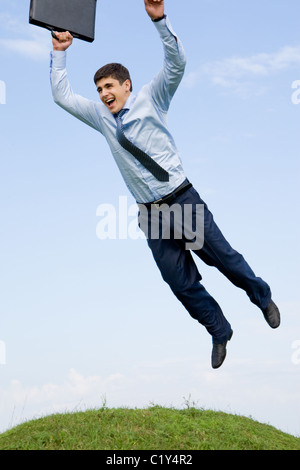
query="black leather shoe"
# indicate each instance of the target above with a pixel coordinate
(272, 315)
(219, 353)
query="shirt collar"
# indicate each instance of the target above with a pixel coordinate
(130, 101)
(127, 105)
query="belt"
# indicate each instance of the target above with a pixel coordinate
(169, 198)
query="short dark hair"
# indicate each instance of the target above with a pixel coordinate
(114, 70)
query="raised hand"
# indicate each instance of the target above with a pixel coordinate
(155, 8)
(63, 41)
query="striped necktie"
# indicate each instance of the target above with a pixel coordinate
(142, 157)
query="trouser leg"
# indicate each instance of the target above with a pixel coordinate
(204, 308)
(217, 252)
(180, 272)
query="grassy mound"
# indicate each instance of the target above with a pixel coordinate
(153, 428)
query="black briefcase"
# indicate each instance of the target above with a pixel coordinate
(76, 16)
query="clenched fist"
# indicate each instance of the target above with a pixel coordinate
(63, 41)
(155, 8)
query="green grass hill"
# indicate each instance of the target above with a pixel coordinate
(154, 428)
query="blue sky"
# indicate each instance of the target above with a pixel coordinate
(83, 320)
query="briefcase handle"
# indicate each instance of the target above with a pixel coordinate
(54, 35)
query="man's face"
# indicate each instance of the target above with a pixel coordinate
(112, 93)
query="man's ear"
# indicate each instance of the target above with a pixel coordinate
(127, 84)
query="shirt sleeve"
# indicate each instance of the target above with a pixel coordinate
(82, 108)
(166, 82)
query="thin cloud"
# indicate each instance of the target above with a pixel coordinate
(25, 40)
(28, 48)
(238, 73)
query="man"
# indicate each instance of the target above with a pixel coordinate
(136, 130)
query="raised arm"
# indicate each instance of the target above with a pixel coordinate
(168, 79)
(82, 108)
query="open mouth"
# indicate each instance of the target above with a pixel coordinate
(110, 102)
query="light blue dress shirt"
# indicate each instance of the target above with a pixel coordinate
(145, 123)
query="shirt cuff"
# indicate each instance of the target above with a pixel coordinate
(159, 19)
(164, 27)
(58, 59)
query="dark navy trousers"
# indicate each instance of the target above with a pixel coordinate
(180, 272)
